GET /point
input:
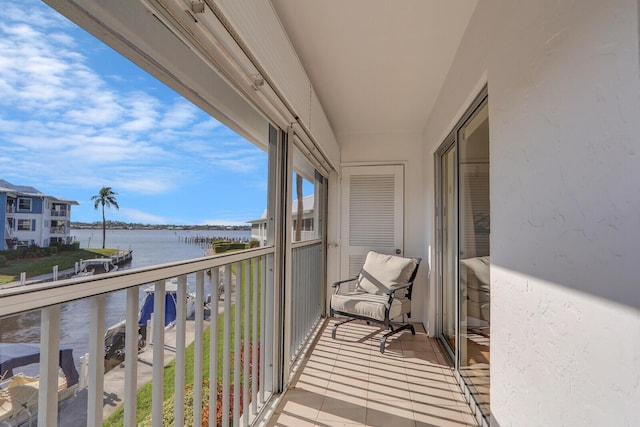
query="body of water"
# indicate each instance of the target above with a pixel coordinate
(150, 247)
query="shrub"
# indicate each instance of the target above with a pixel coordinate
(221, 247)
(53, 250)
(237, 246)
(254, 243)
(10, 254)
(3, 260)
(72, 247)
(20, 252)
(33, 251)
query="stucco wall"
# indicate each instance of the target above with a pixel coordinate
(399, 148)
(564, 105)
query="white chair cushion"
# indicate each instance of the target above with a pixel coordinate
(369, 305)
(383, 272)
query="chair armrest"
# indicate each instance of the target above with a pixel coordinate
(398, 288)
(336, 285)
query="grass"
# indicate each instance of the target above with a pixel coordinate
(143, 398)
(37, 266)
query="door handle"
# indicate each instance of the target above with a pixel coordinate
(398, 251)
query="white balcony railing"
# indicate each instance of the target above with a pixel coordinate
(59, 213)
(306, 292)
(57, 230)
(244, 316)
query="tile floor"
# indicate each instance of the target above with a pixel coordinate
(348, 382)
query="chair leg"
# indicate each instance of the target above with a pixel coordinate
(342, 322)
(383, 341)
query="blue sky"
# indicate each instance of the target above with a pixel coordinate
(76, 116)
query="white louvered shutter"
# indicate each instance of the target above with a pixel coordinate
(373, 218)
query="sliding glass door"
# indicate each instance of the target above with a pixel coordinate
(464, 249)
(449, 247)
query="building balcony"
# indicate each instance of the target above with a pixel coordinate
(346, 381)
(59, 213)
(58, 230)
(235, 310)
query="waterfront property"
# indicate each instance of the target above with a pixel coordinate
(496, 140)
(29, 217)
(304, 224)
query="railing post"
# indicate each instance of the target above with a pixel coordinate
(213, 350)
(181, 331)
(49, 359)
(236, 346)
(198, 357)
(226, 372)
(246, 412)
(266, 375)
(131, 357)
(96, 361)
(157, 392)
(256, 368)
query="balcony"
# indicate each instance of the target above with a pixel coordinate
(238, 326)
(348, 382)
(59, 213)
(242, 277)
(57, 230)
(345, 381)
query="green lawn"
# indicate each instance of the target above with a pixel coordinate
(37, 266)
(143, 408)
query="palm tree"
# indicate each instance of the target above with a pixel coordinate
(106, 197)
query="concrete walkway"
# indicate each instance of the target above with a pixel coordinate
(62, 274)
(114, 379)
(73, 412)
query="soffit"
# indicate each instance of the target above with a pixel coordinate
(376, 65)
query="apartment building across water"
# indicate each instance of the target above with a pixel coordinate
(30, 217)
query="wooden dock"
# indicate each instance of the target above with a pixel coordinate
(122, 256)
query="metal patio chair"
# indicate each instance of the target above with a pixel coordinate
(382, 292)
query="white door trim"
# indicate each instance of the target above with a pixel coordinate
(384, 239)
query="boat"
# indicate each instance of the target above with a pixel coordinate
(114, 343)
(19, 392)
(96, 266)
(114, 337)
(171, 291)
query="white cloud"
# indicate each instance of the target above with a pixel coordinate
(65, 124)
(228, 154)
(179, 115)
(225, 221)
(134, 215)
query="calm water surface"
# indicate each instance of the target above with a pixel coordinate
(149, 247)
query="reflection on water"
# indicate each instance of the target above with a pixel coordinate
(23, 328)
(149, 247)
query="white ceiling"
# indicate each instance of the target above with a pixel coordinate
(376, 65)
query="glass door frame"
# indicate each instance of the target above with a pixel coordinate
(452, 141)
(448, 144)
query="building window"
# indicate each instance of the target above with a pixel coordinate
(306, 201)
(24, 225)
(24, 204)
